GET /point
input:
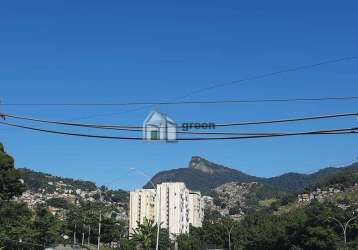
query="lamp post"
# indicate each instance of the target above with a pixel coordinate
(229, 226)
(229, 233)
(344, 226)
(159, 203)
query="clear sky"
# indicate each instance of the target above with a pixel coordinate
(117, 51)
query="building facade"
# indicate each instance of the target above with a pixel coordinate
(196, 209)
(173, 207)
(170, 203)
(141, 206)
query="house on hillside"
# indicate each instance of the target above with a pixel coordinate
(158, 126)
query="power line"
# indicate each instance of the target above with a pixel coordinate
(339, 131)
(229, 101)
(112, 137)
(303, 67)
(70, 123)
(139, 128)
(307, 118)
(179, 132)
(342, 131)
(255, 77)
(71, 134)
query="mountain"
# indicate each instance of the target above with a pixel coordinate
(203, 175)
(346, 178)
(296, 182)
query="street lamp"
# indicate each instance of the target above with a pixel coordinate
(159, 205)
(229, 225)
(344, 226)
(229, 230)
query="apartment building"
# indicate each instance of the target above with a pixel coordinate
(196, 209)
(141, 205)
(171, 202)
(174, 207)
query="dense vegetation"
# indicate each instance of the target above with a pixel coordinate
(307, 228)
(344, 179)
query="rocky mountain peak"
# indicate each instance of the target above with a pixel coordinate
(201, 164)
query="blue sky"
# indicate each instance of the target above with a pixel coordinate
(116, 51)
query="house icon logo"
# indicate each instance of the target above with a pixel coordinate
(159, 127)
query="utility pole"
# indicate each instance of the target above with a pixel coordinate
(89, 234)
(74, 235)
(344, 226)
(89, 227)
(99, 230)
(83, 236)
(100, 220)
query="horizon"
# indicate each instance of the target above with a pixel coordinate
(340, 165)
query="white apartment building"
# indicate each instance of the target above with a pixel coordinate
(196, 209)
(174, 207)
(171, 202)
(141, 205)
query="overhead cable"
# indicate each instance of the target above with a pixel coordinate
(317, 132)
(125, 127)
(193, 102)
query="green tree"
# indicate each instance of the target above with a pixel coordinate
(127, 244)
(46, 227)
(145, 236)
(10, 184)
(111, 230)
(58, 203)
(188, 242)
(16, 224)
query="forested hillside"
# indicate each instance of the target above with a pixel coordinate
(204, 176)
